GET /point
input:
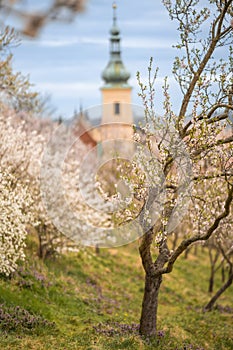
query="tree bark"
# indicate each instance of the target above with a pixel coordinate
(195, 249)
(186, 253)
(148, 321)
(211, 282)
(221, 290)
(223, 274)
(175, 240)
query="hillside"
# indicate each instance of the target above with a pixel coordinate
(92, 301)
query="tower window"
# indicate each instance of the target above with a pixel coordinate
(117, 108)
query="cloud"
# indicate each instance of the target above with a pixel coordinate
(141, 23)
(146, 43)
(68, 88)
(128, 42)
(50, 42)
(70, 41)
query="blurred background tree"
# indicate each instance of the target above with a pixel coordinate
(33, 21)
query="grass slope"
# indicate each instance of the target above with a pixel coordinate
(95, 303)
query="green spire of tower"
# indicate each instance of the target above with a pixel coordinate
(115, 72)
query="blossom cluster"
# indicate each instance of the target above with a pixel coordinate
(15, 202)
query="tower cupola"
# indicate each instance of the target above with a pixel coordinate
(115, 74)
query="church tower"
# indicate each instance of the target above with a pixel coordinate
(116, 92)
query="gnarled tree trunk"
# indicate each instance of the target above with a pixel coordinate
(148, 321)
(153, 280)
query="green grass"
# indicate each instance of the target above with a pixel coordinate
(90, 296)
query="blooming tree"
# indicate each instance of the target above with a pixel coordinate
(15, 200)
(15, 89)
(189, 174)
(67, 186)
(22, 144)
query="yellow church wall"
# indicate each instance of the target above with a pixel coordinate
(122, 95)
(116, 95)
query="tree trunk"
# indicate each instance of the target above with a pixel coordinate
(195, 249)
(221, 290)
(175, 240)
(40, 246)
(223, 273)
(211, 281)
(148, 321)
(186, 253)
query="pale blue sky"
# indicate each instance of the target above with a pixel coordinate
(66, 60)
